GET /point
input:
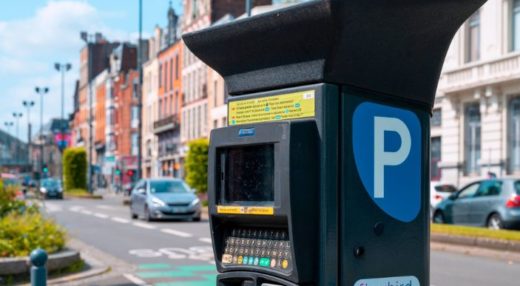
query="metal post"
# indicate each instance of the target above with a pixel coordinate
(28, 105)
(17, 117)
(140, 92)
(62, 68)
(41, 92)
(38, 270)
(248, 7)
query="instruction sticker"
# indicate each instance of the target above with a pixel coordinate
(245, 210)
(389, 281)
(272, 108)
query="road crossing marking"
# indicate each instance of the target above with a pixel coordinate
(86, 212)
(144, 225)
(75, 209)
(135, 280)
(205, 239)
(120, 220)
(100, 215)
(176, 232)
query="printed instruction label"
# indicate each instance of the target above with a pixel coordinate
(272, 108)
(389, 281)
(245, 210)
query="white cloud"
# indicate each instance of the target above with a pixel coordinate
(30, 46)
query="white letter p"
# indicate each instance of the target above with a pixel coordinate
(382, 158)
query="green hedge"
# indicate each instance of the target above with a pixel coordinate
(75, 168)
(197, 165)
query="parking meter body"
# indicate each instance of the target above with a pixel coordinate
(322, 175)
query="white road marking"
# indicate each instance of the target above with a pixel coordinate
(52, 208)
(176, 232)
(100, 215)
(75, 208)
(144, 225)
(105, 207)
(134, 279)
(205, 239)
(120, 220)
(86, 212)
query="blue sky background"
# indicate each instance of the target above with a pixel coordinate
(34, 34)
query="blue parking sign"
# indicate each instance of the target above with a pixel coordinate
(387, 151)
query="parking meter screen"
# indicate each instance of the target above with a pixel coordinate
(249, 173)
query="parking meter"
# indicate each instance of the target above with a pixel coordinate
(322, 175)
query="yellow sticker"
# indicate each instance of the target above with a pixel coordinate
(245, 210)
(272, 108)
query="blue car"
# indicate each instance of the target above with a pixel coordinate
(154, 199)
(494, 203)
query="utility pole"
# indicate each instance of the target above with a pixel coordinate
(140, 92)
(87, 39)
(41, 91)
(28, 105)
(65, 67)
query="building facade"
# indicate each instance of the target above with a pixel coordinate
(476, 119)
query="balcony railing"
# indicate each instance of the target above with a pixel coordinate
(481, 74)
(166, 124)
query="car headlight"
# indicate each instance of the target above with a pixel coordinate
(195, 202)
(43, 190)
(157, 203)
(60, 190)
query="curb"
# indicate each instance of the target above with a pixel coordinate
(494, 244)
(21, 265)
(92, 197)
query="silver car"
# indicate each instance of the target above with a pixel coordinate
(494, 203)
(164, 199)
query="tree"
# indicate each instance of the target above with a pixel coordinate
(197, 165)
(75, 168)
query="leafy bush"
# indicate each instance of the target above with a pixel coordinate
(22, 233)
(197, 165)
(8, 201)
(75, 168)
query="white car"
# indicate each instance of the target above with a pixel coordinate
(439, 191)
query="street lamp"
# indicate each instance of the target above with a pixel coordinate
(88, 39)
(41, 91)
(28, 104)
(17, 116)
(8, 125)
(65, 67)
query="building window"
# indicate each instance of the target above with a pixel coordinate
(436, 117)
(176, 102)
(177, 67)
(215, 85)
(516, 25)
(224, 122)
(166, 76)
(472, 138)
(171, 74)
(473, 38)
(134, 144)
(435, 171)
(215, 123)
(514, 138)
(160, 75)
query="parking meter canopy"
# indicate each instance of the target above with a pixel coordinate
(392, 47)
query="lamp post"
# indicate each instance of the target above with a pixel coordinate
(248, 7)
(28, 104)
(140, 93)
(87, 38)
(17, 116)
(62, 67)
(8, 125)
(41, 91)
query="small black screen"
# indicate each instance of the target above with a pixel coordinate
(249, 173)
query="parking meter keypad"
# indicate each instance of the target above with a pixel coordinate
(266, 248)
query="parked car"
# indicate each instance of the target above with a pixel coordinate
(51, 188)
(440, 191)
(494, 203)
(164, 199)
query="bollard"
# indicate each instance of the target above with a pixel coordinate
(38, 270)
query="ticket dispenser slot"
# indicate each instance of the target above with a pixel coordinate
(262, 178)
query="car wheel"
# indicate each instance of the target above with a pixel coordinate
(438, 217)
(132, 214)
(196, 218)
(147, 216)
(495, 222)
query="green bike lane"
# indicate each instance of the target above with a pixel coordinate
(173, 253)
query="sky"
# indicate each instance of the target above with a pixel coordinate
(35, 34)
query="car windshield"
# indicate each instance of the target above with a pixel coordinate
(157, 187)
(50, 184)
